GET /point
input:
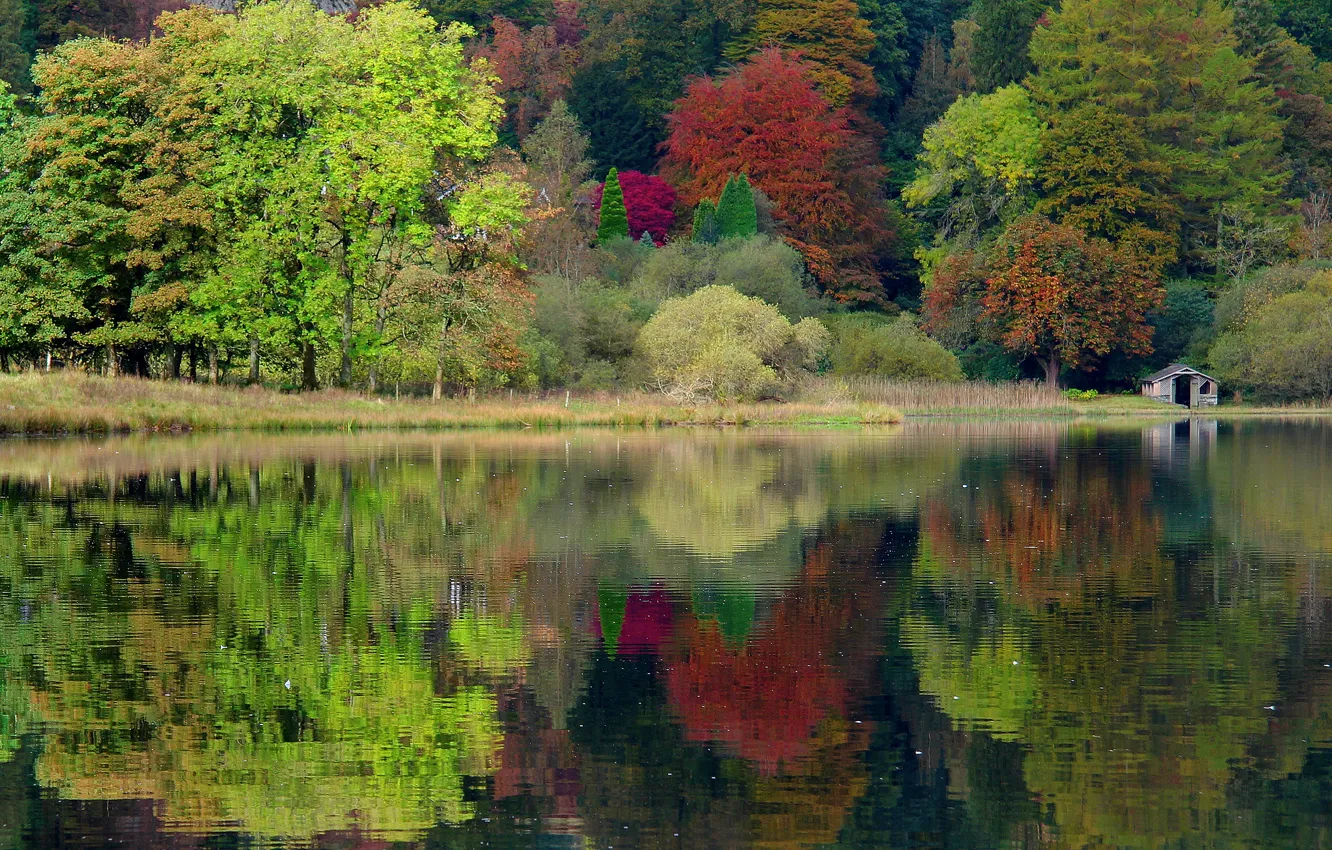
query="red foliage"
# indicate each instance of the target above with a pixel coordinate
(649, 201)
(535, 66)
(766, 119)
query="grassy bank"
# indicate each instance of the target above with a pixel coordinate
(73, 402)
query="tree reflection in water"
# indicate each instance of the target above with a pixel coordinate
(954, 635)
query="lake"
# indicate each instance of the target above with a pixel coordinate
(943, 635)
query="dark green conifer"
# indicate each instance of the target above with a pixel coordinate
(705, 223)
(736, 214)
(614, 220)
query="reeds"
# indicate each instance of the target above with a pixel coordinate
(943, 398)
(75, 402)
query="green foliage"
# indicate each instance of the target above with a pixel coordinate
(868, 344)
(762, 267)
(1000, 56)
(720, 344)
(736, 214)
(1081, 395)
(619, 132)
(613, 221)
(704, 229)
(585, 333)
(1173, 67)
(979, 162)
(1283, 350)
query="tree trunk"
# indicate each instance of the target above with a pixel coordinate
(48, 360)
(4, 362)
(173, 360)
(1051, 366)
(254, 360)
(345, 370)
(439, 362)
(112, 361)
(309, 381)
(194, 364)
(380, 319)
(212, 364)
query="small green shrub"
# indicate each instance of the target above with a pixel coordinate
(1080, 395)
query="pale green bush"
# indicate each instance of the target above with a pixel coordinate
(718, 343)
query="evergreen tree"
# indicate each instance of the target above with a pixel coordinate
(15, 49)
(618, 133)
(830, 35)
(1000, 49)
(705, 223)
(613, 222)
(736, 213)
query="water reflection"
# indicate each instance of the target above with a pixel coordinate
(946, 635)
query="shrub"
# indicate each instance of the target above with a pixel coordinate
(584, 333)
(1284, 351)
(1080, 395)
(718, 343)
(761, 267)
(868, 344)
(612, 218)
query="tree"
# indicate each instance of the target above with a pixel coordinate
(1095, 174)
(1065, 298)
(15, 49)
(1284, 351)
(829, 34)
(1174, 67)
(619, 133)
(649, 203)
(704, 228)
(1000, 50)
(760, 267)
(720, 344)
(613, 218)
(767, 120)
(736, 215)
(979, 163)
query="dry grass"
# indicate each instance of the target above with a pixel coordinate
(940, 398)
(74, 402)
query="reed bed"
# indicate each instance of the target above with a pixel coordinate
(75, 402)
(944, 398)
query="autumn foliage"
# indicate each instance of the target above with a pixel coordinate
(766, 119)
(649, 201)
(1063, 297)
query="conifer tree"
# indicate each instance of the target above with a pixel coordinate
(736, 213)
(705, 223)
(613, 222)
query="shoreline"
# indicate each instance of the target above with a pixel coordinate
(71, 403)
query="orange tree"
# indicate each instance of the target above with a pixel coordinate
(1064, 298)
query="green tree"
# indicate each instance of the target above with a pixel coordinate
(15, 49)
(1173, 67)
(1284, 350)
(1096, 174)
(619, 132)
(978, 166)
(999, 54)
(736, 214)
(870, 344)
(704, 229)
(613, 219)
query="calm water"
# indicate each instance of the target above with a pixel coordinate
(941, 636)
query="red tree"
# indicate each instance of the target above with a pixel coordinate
(767, 120)
(1063, 297)
(650, 202)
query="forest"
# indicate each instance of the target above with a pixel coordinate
(710, 198)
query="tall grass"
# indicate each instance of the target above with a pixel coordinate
(75, 402)
(942, 397)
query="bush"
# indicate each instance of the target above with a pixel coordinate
(1284, 350)
(718, 343)
(584, 333)
(1081, 395)
(760, 267)
(868, 344)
